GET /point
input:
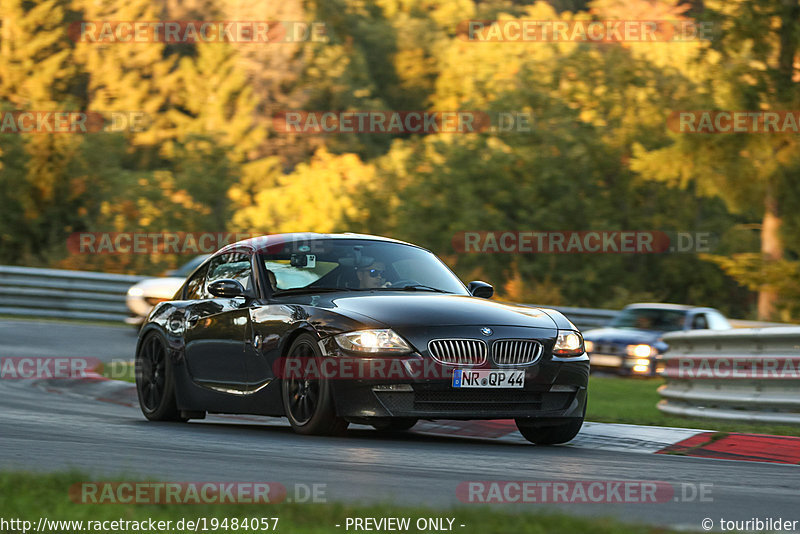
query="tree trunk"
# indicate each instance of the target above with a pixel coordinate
(771, 245)
(771, 250)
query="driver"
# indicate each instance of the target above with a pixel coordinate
(372, 276)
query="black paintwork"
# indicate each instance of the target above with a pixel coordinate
(226, 351)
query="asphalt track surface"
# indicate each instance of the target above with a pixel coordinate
(46, 431)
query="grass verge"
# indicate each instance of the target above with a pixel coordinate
(30, 497)
(119, 370)
(633, 401)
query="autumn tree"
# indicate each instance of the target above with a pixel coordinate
(751, 64)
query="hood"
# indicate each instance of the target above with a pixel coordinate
(622, 335)
(403, 309)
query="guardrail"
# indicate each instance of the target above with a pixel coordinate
(748, 375)
(32, 292)
(25, 291)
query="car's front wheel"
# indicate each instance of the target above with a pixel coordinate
(155, 385)
(551, 434)
(307, 398)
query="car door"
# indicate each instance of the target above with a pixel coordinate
(269, 324)
(217, 328)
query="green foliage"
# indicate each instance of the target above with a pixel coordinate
(598, 156)
(756, 273)
(751, 64)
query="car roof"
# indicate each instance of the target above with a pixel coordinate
(261, 243)
(665, 306)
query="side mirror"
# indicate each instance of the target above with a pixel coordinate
(226, 288)
(480, 289)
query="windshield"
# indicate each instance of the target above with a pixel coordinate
(650, 319)
(357, 264)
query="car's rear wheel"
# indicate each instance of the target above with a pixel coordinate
(307, 397)
(155, 384)
(395, 424)
(551, 434)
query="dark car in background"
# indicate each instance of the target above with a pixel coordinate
(630, 344)
(328, 330)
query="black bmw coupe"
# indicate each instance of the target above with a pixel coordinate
(328, 330)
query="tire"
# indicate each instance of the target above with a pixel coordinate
(155, 382)
(549, 435)
(396, 424)
(308, 402)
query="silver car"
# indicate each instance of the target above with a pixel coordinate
(143, 295)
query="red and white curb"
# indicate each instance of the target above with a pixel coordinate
(735, 446)
(641, 439)
(595, 436)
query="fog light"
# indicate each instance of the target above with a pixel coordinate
(559, 388)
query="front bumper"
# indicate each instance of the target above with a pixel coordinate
(554, 388)
(442, 401)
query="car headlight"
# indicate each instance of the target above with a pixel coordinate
(135, 291)
(568, 343)
(588, 345)
(640, 351)
(372, 341)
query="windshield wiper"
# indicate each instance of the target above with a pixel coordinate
(416, 287)
(295, 290)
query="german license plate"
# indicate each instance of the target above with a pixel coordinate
(488, 378)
